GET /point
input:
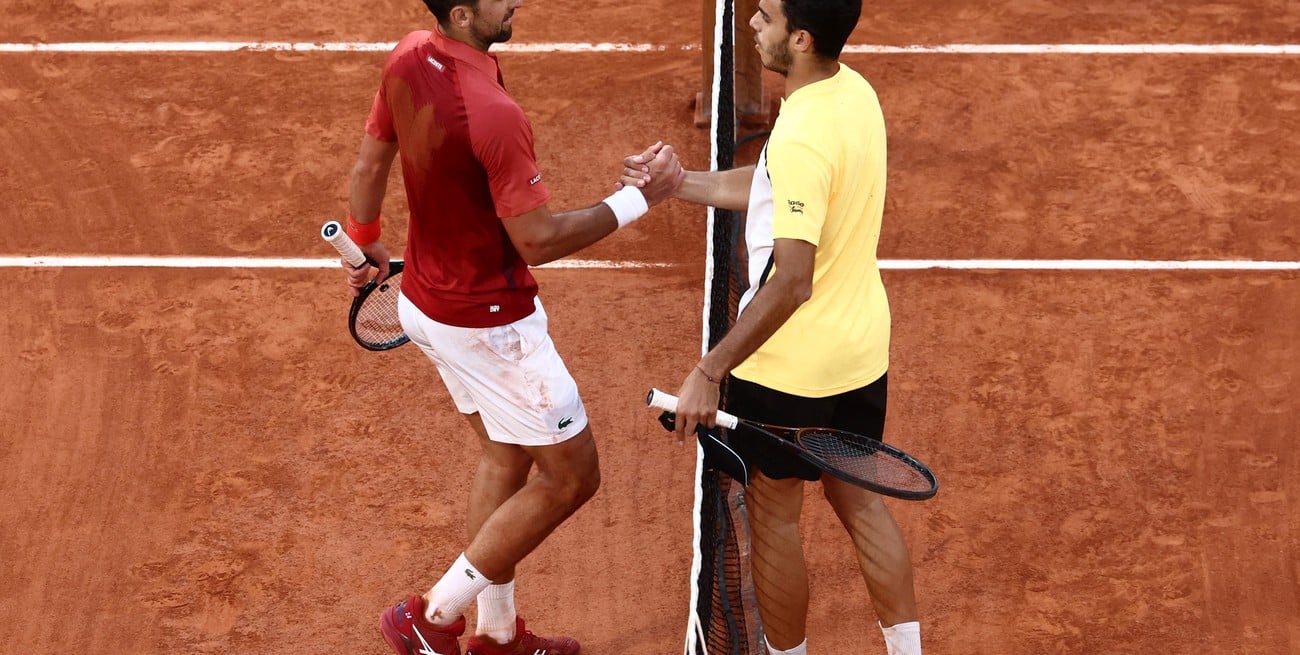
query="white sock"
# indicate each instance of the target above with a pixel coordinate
(496, 612)
(454, 592)
(903, 639)
(801, 649)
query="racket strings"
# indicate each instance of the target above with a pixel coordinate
(377, 322)
(865, 459)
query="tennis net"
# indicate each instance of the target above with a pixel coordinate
(724, 616)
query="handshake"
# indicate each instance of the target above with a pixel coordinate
(657, 173)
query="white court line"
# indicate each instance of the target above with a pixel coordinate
(1082, 49)
(885, 264)
(253, 262)
(286, 46)
(1088, 265)
(952, 48)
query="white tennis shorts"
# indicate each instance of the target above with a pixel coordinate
(511, 375)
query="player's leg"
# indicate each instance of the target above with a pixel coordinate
(502, 471)
(780, 573)
(568, 474)
(881, 550)
(878, 541)
(520, 399)
(515, 382)
(774, 499)
(405, 626)
(529, 406)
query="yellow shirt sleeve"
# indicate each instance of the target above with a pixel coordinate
(801, 188)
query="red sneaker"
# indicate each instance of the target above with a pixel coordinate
(525, 643)
(409, 633)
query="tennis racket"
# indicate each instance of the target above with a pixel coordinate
(861, 461)
(373, 319)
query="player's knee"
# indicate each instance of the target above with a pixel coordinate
(851, 500)
(576, 487)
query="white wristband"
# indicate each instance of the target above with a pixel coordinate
(628, 204)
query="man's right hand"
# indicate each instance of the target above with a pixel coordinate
(663, 176)
(359, 276)
(636, 169)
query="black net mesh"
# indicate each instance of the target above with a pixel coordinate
(727, 616)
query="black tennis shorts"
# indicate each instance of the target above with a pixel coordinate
(861, 410)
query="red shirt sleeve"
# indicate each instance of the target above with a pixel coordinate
(380, 122)
(502, 140)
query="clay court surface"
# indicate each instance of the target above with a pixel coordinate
(201, 461)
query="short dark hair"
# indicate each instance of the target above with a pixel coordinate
(441, 9)
(830, 22)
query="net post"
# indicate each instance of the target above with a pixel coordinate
(751, 102)
(704, 97)
(752, 107)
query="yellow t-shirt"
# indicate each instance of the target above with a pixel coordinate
(821, 179)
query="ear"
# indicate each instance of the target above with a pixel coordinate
(461, 15)
(803, 41)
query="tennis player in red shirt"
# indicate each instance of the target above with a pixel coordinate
(479, 219)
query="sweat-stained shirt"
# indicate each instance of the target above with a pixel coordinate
(467, 161)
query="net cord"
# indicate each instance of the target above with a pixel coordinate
(695, 631)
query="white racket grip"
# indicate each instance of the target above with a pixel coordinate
(333, 233)
(668, 402)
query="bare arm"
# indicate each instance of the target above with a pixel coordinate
(370, 178)
(542, 237)
(789, 287)
(721, 189)
(366, 190)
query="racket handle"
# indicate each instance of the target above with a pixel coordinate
(668, 402)
(333, 233)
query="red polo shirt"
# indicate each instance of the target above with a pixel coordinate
(467, 159)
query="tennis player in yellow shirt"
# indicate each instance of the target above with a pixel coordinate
(810, 346)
